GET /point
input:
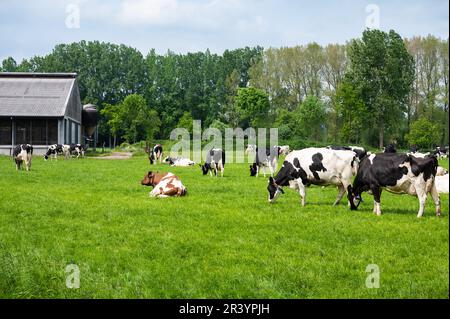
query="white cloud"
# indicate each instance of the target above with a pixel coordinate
(149, 12)
(197, 14)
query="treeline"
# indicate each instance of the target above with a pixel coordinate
(369, 91)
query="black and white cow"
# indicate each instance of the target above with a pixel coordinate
(284, 149)
(414, 148)
(179, 161)
(156, 154)
(215, 161)
(23, 153)
(78, 149)
(398, 173)
(390, 149)
(318, 166)
(56, 149)
(359, 151)
(53, 151)
(265, 158)
(441, 152)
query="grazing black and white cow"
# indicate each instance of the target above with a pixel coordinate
(53, 151)
(265, 158)
(318, 166)
(56, 149)
(78, 149)
(398, 173)
(359, 151)
(441, 152)
(156, 154)
(23, 153)
(215, 161)
(390, 149)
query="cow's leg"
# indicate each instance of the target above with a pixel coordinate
(422, 196)
(301, 191)
(437, 202)
(210, 172)
(257, 170)
(376, 191)
(340, 194)
(17, 165)
(221, 171)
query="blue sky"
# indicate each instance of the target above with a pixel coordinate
(33, 27)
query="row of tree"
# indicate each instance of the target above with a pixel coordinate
(372, 88)
(369, 91)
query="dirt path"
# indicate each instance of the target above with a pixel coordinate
(116, 155)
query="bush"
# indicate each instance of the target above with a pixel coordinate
(424, 134)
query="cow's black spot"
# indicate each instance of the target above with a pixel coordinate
(427, 166)
(317, 165)
(297, 163)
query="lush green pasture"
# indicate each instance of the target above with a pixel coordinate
(223, 240)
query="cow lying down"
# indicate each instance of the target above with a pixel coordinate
(397, 173)
(178, 161)
(442, 184)
(164, 184)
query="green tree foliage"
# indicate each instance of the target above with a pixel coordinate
(186, 122)
(376, 68)
(139, 121)
(112, 114)
(9, 65)
(383, 71)
(132, 118)
(424, 134)
(351, 112)
(312, 118)
(252, 105)
(288, 124)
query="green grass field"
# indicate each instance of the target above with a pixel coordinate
(223, 240)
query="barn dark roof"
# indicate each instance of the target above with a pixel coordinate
(37, 94)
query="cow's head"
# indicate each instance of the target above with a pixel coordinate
(354, 197)
(253, 169)
(274, 190)
(151, 157)
(205, 168)
(51, 150)
(148, 179)
(169, 160)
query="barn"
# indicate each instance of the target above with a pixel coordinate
(40, 109)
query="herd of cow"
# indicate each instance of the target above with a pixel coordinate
(22, 153)
(351, 169)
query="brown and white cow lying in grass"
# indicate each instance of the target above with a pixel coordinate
(164, 184)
